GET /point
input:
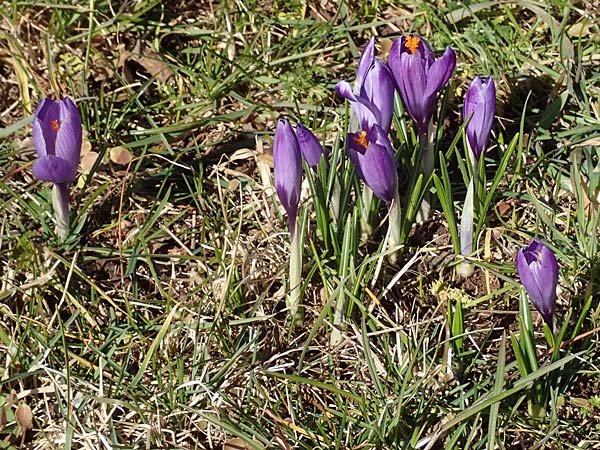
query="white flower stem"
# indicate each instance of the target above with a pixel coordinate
(295, 294)
(365, 224)
(465, 268)
(60, 201)
(336, 194)
(427, 143)
(394, 225)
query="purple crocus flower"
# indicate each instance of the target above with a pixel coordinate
(538, 270)
(419, 76)
(480, 106)
(57, 138)
(373, 156)
(287, 165)
(372, 98)
(311, 148)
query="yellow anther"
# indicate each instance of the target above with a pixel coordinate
(55, 125)
(361, 139)
(411, 43)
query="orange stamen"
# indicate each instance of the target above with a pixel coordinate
(411, 43)
(361, 139)
(55, 125)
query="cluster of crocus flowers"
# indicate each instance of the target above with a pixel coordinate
(538, 271)
(57, 136)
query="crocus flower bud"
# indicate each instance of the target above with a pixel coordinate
(57, 138)
(538, 270)
(311, 148)
(287, 165)
(372, 155)
(419, 76)
(372, 98)
(480, 106)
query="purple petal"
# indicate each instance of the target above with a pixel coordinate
(440, 72)
(287, 166)
(311, 148)
(54, 169)
(69, 135)
(46, 115)
(379, 171)
(378, 88)
(409, 73)
(364, 63)
(380, 137)
(361, 106)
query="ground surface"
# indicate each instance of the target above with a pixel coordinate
(161, 322)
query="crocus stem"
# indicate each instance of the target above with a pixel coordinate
(465, 269)
(336, 194)
(338, 319)
(365, 223)
(394, 225)
(427, 143)
(60, 201)
(295, 295)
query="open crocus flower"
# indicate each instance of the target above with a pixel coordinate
(57, 137)
(479, 109)
(287, 165)
(373, 157)
(538, 270)
(372, 98)
(311, 148)
(419, 76)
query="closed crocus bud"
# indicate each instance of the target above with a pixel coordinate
(372, 98)
(538, 270)
(57, 134)
(287, 165)
(479, 109)
(372, 155)
(419, 76)
(311, 148)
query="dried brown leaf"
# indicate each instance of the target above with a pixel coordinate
(24, 416)
(87, 161)
(120, 155)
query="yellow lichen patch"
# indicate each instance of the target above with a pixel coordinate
(411, 43)
(361, 139)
